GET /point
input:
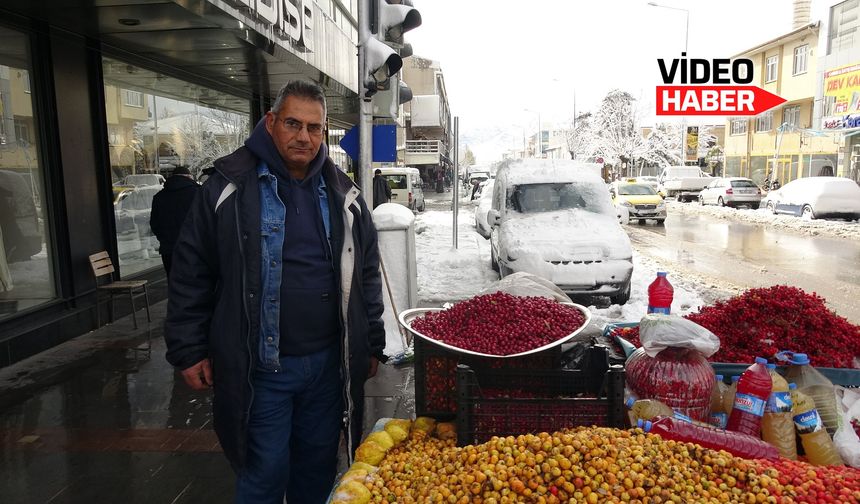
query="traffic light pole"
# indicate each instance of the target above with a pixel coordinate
(365, 113)
(456, 181)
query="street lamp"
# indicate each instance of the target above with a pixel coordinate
(539, 137)
(686, 42)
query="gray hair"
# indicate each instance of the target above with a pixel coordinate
(302, 89)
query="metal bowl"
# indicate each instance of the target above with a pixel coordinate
(406, 317)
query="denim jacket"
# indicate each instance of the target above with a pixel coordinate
(273, 213)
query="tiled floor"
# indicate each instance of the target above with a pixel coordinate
(116, 424)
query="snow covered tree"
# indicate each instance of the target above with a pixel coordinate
(618, 134)
(468, 158)
(580, 137)
(663, 145)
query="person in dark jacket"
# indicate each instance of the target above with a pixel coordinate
(381, 189)
(276, 302)
(169, 207)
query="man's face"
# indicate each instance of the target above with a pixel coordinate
(297, 131)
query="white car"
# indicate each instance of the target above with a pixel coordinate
(484, 203)
(554, 218)
(731, 191)
(648, 180)
(817, 198)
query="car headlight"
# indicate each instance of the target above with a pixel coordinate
(627, 204)
(662, 204)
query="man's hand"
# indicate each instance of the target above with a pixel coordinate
(199, 376)
(374, 365)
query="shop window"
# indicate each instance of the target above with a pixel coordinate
(152, 131)
(26, 262)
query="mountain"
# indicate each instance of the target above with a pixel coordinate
(489, 143)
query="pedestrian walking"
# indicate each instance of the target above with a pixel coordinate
(381, 189)
(169, 208)
(276, 303)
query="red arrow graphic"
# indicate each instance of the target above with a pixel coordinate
(715, 100)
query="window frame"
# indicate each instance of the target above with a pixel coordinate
(771, 63)
(794, 111)
(762, 120)
(742, 127)
(804, 57)
(127, 94)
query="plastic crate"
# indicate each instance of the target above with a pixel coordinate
(515, 401)
(436, 374)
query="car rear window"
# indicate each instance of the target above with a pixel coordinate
(396, 181)
(743, 183)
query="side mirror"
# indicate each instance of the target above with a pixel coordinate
(493, 218)
(623, 215)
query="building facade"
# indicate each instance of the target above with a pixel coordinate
(784, 143)
(99, 101)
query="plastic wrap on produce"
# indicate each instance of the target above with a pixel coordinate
(526, 284)
(658, 332)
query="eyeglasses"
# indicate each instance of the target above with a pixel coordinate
(296, 127)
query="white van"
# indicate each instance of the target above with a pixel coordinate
(554, 218)
(406, 185)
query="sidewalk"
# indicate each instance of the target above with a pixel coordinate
(105, 419)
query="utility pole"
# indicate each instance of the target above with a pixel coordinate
(456, 196)
(365, 112)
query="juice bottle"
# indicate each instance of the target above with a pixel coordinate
(814, 384)
(777, 425)
(729, 397)
(660, 294)
(736, 443)
(719, 417)
(816, 442)
(753, 390)
(647, 409)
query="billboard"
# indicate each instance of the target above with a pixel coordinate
(842, 97)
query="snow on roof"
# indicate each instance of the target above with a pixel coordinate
(537, 171)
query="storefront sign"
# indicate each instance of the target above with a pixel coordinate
(290, 20)
(842, 97)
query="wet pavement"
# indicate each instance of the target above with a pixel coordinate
(104, 418)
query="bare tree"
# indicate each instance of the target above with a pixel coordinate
(208, 135)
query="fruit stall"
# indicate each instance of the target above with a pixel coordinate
(517, 401)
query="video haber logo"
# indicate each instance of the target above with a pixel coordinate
(688, 100)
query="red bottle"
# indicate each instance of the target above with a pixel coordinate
(754, 388)
(660, 294)
(736, 443)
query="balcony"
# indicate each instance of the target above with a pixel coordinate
(424, 152)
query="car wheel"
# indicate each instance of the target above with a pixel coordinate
(679, 198)
(493, 262)
(755, 206)
(771, 207)
(807, 212)
(661, 222)
(720, 201)
(622, 297)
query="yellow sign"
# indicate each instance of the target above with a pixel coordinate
(842, 90)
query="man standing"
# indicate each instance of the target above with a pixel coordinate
(276, 303)
(381, 189)
(169, 208)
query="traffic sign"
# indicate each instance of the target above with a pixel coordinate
(384, 143)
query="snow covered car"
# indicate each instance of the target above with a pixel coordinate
(484, 203)
(648, 180)
(554, 218)
(731, 191)
(817, 198)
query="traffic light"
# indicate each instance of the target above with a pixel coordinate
(384, 48)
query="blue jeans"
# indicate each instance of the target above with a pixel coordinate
(294, 431)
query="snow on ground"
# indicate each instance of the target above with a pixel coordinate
(837, 228)
(445, 274)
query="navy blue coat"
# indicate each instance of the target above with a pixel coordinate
(214, 303)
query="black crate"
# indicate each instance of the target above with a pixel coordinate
(514, 401)
(436, 374)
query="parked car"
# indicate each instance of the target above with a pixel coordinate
(554, 219)
(817, 198)
(132, 209)
(642, 201)
(484, 204)
(141, 180)
(682, 182)
(407, 188)
(731, 191)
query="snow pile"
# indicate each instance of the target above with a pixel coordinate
(389, 216)
(837, 228)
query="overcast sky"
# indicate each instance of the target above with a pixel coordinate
(500, 57)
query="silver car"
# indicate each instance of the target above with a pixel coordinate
(731, 191)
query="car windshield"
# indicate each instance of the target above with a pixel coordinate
(636, 190)
(550, 197)
(743, 183)
(396, 181)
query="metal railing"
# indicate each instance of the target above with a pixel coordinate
(424, 146)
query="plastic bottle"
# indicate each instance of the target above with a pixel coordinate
(753, 390)
(660, 294)
(719, 416)
(814, 384)
(777, 425)
(729, 397)
(816, 442)
(736, 443)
